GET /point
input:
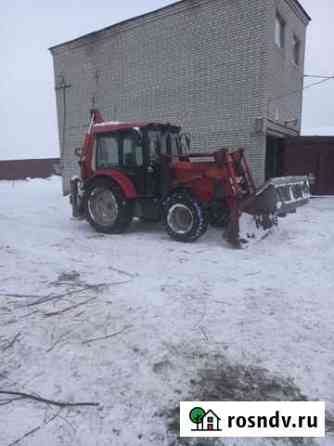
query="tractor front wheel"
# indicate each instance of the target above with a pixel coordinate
(106, 208)
(184, 217)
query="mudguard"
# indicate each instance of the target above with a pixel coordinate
(120, 178)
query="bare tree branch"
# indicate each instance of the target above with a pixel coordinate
(11, 343)
(46, 299)
(121, 271)
(63, 336)
(5, 402)
(47, 401)
(88, 341)
(35, 429)
(49, 298)
(43, 299)
(72, 307)
(29, 314)
(68, 423)
(23, 296)
(32, 431)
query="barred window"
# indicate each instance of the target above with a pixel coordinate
(296, 50)
(279, 31)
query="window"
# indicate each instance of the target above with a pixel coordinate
(132, 152)
(107, 152)
(172, 144)
(166, 142)
(296, 50)
(279, 31)
(155, 145)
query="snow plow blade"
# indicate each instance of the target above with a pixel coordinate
(278, 197)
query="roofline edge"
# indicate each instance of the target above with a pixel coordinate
(146, 14)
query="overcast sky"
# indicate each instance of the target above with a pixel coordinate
(29, 27)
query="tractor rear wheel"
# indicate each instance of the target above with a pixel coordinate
(106, 208)
(184, 217)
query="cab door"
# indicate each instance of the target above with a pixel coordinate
(132, 160)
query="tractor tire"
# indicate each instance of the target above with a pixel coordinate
(106, 208)
(184, 217)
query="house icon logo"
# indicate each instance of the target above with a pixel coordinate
(205, 421)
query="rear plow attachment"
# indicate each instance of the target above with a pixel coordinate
(277, 198)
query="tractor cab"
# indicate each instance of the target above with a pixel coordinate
(137, 150)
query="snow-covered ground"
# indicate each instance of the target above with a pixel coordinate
(138, 322)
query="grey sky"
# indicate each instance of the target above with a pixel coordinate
(29, 27)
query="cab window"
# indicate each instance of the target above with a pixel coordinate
(107, 151)
(155, 145)
(132, 152)
(164, 142)
(172, 144)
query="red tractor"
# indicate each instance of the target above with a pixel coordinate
(146, 170)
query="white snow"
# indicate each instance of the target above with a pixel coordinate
(106, 123)
(173, 312)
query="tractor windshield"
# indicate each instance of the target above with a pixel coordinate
(119, 149)
(165, 142)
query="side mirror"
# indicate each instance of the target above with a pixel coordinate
(78, 152)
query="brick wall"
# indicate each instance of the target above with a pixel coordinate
(202, 64)
(284, 80)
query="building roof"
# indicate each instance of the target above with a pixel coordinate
(211, 412)
(303, 10)
(150, 13)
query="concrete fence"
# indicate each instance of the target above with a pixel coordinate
(29, 168)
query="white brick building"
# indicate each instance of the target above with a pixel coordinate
(223, 69)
